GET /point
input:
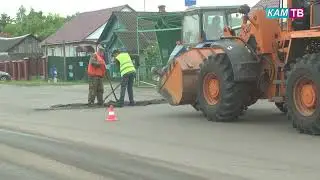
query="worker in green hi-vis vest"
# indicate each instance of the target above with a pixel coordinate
(128, 74)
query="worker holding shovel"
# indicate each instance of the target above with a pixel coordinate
(128, 74)
(96, 74)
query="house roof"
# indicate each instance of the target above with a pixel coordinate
(81, 26)
(7, 43)
(129, 40)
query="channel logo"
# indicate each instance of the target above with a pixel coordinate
(284, 13)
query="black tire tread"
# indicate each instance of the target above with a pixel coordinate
(309, 60)
(230, 105)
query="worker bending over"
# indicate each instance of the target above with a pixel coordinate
(128, 74)
(96, 73)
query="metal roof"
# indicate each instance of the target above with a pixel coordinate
(7, 43)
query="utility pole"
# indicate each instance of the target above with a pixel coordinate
(144, 5)
(64, 61)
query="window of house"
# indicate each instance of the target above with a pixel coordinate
(52, 51)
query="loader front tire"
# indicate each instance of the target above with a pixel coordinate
(303, 94)
(220, 98)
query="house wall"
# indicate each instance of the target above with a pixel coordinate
(95, 35)
(57, 50)
(28, 45)
(115, 26)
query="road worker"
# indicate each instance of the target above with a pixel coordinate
(96, 74)
(128, 74)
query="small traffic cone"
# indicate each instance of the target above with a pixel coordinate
(111, 114)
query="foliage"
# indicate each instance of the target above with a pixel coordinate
(33, 22)
(4, 20)
(152, 55)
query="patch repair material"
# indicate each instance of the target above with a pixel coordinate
(86, 106)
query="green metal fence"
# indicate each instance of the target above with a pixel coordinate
(76, 67)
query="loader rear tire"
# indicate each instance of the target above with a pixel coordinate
(303, 94)
(232, 96)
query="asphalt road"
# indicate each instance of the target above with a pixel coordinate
(38, 157)
(152, 142)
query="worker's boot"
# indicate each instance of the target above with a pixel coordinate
(119, 104)
(100, 102)
(243, 112)
(90, 104)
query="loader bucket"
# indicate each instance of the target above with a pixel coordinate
(178, 83)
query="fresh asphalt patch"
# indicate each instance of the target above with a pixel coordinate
(86, 106)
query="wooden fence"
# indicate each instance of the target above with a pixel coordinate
(26, 69)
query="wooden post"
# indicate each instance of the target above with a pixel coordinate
(18, 70)
(14, 71)
(26, 73)
(27, 68)
(6, 66)
(45, 48)
(64, 61)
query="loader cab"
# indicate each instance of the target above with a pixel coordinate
(206, 24)
(311, 18)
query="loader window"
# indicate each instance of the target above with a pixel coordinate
(213, 24)
(235, 22)
(316, 14)
(235, 19)
(191, 29)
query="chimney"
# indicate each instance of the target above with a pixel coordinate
(162, 8)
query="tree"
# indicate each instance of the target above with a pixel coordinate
(33, 22)
(21, 14)
(72, 16)
(152, 58)
(152, 55)
(4, 21)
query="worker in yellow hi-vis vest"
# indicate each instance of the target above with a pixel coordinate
(128, 74)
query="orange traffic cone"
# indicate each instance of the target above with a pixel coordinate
(111, 114)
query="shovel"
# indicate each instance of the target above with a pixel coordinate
(112, 89)
(113, 92)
